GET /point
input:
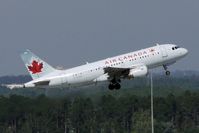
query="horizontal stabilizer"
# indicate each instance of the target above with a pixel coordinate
(13, 86)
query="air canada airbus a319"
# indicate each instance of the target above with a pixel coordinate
(114, 69)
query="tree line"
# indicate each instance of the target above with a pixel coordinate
(109, 114)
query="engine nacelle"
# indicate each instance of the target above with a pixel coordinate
(139, 71)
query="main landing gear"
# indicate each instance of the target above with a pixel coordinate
(114, 84)
(166, 69)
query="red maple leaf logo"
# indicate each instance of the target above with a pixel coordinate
(36, 67)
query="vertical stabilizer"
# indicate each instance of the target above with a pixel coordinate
(35, 66)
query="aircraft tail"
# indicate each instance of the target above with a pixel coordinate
(35, 66)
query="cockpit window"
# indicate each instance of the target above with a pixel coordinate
(176, 47)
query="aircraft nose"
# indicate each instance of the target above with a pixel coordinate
(185, 51)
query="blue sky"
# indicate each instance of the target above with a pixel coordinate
(71, 32)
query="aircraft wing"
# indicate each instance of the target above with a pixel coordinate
(114, 72)
(135, 71)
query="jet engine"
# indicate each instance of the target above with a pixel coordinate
(138, 71)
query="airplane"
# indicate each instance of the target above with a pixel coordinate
(127, 66)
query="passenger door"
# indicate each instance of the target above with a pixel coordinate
(163, 51)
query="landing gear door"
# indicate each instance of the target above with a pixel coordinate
(163, 51)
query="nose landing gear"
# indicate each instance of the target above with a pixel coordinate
(166, 69)
(168, 73)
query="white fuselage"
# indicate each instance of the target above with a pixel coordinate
(91, 73)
